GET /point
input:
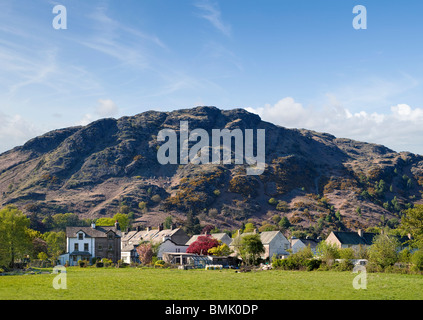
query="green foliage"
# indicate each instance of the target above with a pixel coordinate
(167, 224)
(284, 223)
(14, 238)
(251, 248)
(412, 223)
(383, 251)
(42, 256)
(249, 227)
(273, 201)
(417, 259)
(56, 243)
(327, 252)
(301, 260)
(221, 250)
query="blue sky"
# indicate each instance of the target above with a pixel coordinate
(296, 63)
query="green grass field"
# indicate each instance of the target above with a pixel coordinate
(173, 284)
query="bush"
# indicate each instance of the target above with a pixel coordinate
(82, 263)
(343, 265)
(99, 264)
(106, 262)
(273, 201)
(417, 260)
(159, 264)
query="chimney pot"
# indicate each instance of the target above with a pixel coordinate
(93, 225)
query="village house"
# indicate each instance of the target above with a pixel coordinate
(274, 243)
(298, 244)
(359, 240)
(170, 240)
(223, 237)
(85, 243)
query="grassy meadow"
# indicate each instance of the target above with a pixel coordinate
(173, 284)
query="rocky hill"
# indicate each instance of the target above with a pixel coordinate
(319, 182)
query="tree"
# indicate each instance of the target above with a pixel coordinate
(14, 239)
(383, 251)
(249, 227)
(192, 224)
(105, 222)
(251, 248)
(221, 250)
(56, 244)
(145, 253)
(202, 245)
(284, 223)
(123, 219)
(167, 224)
(412, 223)
(327, 252)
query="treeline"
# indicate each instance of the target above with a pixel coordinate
(26, 238)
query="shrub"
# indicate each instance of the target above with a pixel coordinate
(417, 260)
(273, 201)
(343, 265)
(106, 262)
(82, 263)
(99, 264)
(159, 264)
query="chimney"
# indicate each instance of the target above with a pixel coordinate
(173, 226)
(161, 227)
(409, 236)
(138, 228)
(93, 225)
(360, 232)
(148, 229)
(117, 225)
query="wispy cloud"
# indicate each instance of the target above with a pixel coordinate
(396, 129)
(212, 13)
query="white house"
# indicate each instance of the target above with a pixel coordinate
(170, 240)
(85, 243)
(274, 243)
(299, 244)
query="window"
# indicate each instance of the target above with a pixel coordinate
(80, 236)
(178, 250)
(100, 247)
(86, 247)
(110, 236)
(110, 247)
(76, 247)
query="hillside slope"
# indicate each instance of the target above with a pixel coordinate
(317, 181)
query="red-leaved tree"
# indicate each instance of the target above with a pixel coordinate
(202, 245)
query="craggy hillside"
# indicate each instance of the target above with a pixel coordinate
(319, 182)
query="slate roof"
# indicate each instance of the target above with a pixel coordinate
(217, 236)
(98, 232)
(156, 236)
(353, 238)
(308, 242)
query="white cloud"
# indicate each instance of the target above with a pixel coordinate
(211, 12)
(400, 129)
(105, 108)
(15, 130)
